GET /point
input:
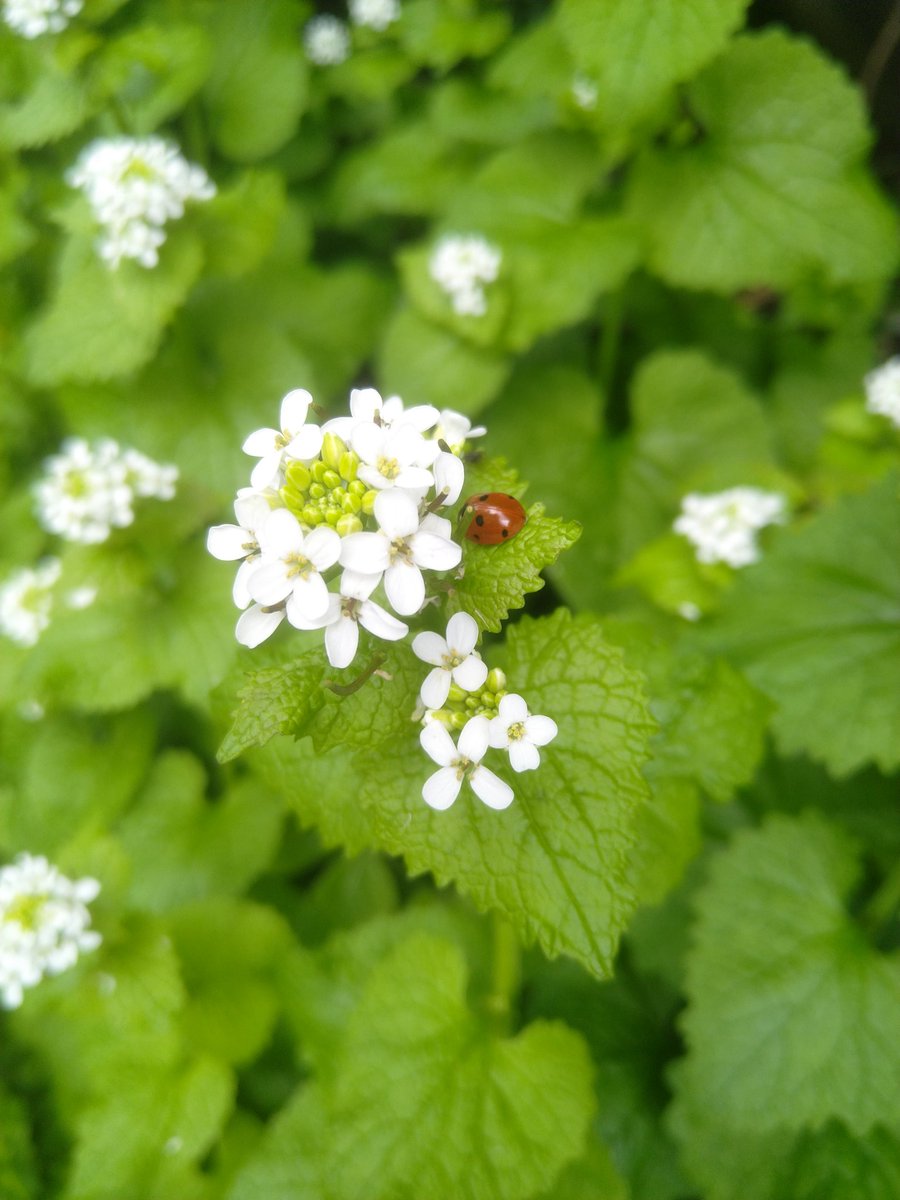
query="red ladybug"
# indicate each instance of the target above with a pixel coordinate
(496, 518)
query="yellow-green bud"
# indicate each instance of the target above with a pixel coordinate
(347, 465)
(350, 503)
(357, 487)
(496, 681)
(333, 450)
(472, 701)
(348, 523)
(331, 479)
(338, 495)
(319, 470)
(457, 694)
(298, 476)
(368, 501)
(488, 699)
(332, 516)
(293, 499)
(311, 516)
(316, 491)
(459, 719)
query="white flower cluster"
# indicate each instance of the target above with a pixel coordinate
(351, 502)
(883, 390)
(374, 14)
(44, 924)
(460, 693)
(584, 92)
(89, 490)
(327, 40)
(32, 18)
(26, 601)
(134, 186)
(722, 526)
(460, 264)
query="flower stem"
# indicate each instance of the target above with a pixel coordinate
(507, 971)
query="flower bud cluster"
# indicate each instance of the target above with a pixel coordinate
(32, 18)
(134, 187)
(722, 526)
(460, 265)
(339, 513)
(89, 490)
(44, 924)
(883, 390)
(460, 695)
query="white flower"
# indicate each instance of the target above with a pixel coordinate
(460, 264)
(584, 92)
(516, 730)
(31, 18)
(456, 429)
(258, 623)
(367, 407)
(134, 186)
(44, 924)
(454, 659)
(88, 490)
(26, 602)
(290, 566)
(400, 549)
(722, 526)
(390, 457)
(327, 40)
(295, 439)
(883, 390)
(344, 615)
(231, 542)
(461, 762)
(449, 476)
(376, 14)
(82, 597)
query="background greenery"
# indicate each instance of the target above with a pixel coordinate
(310, 988)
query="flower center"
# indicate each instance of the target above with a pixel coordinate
(298, 565)
(452, 659)
(516, 731)
(350, 607)
(387, 467)
(76, 485)
(25, 910)
(399, 548)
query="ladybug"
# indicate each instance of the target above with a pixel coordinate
(496, 518)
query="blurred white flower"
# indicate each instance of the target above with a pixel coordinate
(327, 40)
(44, 924)
(584, 92)
(295, 439)
(134, 186)
(883, 390)
(26, 602)
(460, 264)
(722, 526)
(376, 14)
(31, 18)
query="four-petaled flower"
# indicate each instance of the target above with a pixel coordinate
(516, 730)
(290, 565)
(346, 612)
(454, 660)
(459, 762)
(391, 457)
(400, 549)
(231, 542)
(295, 439)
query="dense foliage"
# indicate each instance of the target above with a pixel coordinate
(669, 969)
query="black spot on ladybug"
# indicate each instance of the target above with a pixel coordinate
(504, 533)
(485, 496)
(479, 520)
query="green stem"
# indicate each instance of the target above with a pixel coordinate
(507, 971)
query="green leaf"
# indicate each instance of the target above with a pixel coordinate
(497, 579)
(438, 34)
(380, 710)
(185, 848)
(256, 91)
(771, 192)
(240, 222)
(102, 323)
(18, 1170)
(44, 94)
(807, 973)
(816, 626)
(276, 700)
(152, 71)
(635, 55)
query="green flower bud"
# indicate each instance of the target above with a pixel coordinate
(331, 479)
(348, 523)
(332, 516)
(333, 450)
(338, 495)
(457, 694)
(293, 499)
(488, 699)
(347, 465)
(350, 503)
(298, 476)
(316, 491)
(496, 681)
(357, 488)
(319, 471)
(459, 719)
(311, 516)
(368, 501)
(472, 702)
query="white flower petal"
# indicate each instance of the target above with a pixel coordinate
(255, 625)
(365, 553)
(433, 552)
(358, 586)
(473, 741)
(368, 440)
(405, 588)
(342, 427)
(240, 590)
(432, 523)
(462, 633)
(438, 744)
(365, 403)
(396, 513)
(342, 641)
(251, 510)
(523, 756)
(228, 542)
(281, 534)
(266, 472)
(269, 584)
(449, 476)
(441, 789)
(299, 620)
(498, 733)
(310, 596)
(540, 730)
(430, 647)
(490, 789)
(435, 688)
(322, 547)
(380, 623)
(305, 444)
(416, 479)
(260, 442)
(470, 674)
(294, 409)
(512, 708)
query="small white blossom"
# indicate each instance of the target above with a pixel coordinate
(26, 602)
(456, 429)
(454, 658)
(515, 729)
(391, 457)
(31, 18)
(584, 92)
(290, 566)
(44, 924)
(295, 439)
(722, 526)
(134, 186)
(459, 762)
(89, 490)
(346, 612)
(399, 550)
(82, 597)
(367, 407)
(460, 264)
(376, 14)
(231, 542)
(327, 40)
(258, 623)
(883, 390)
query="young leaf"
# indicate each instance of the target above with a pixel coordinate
(774, 949)
(276, 700)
